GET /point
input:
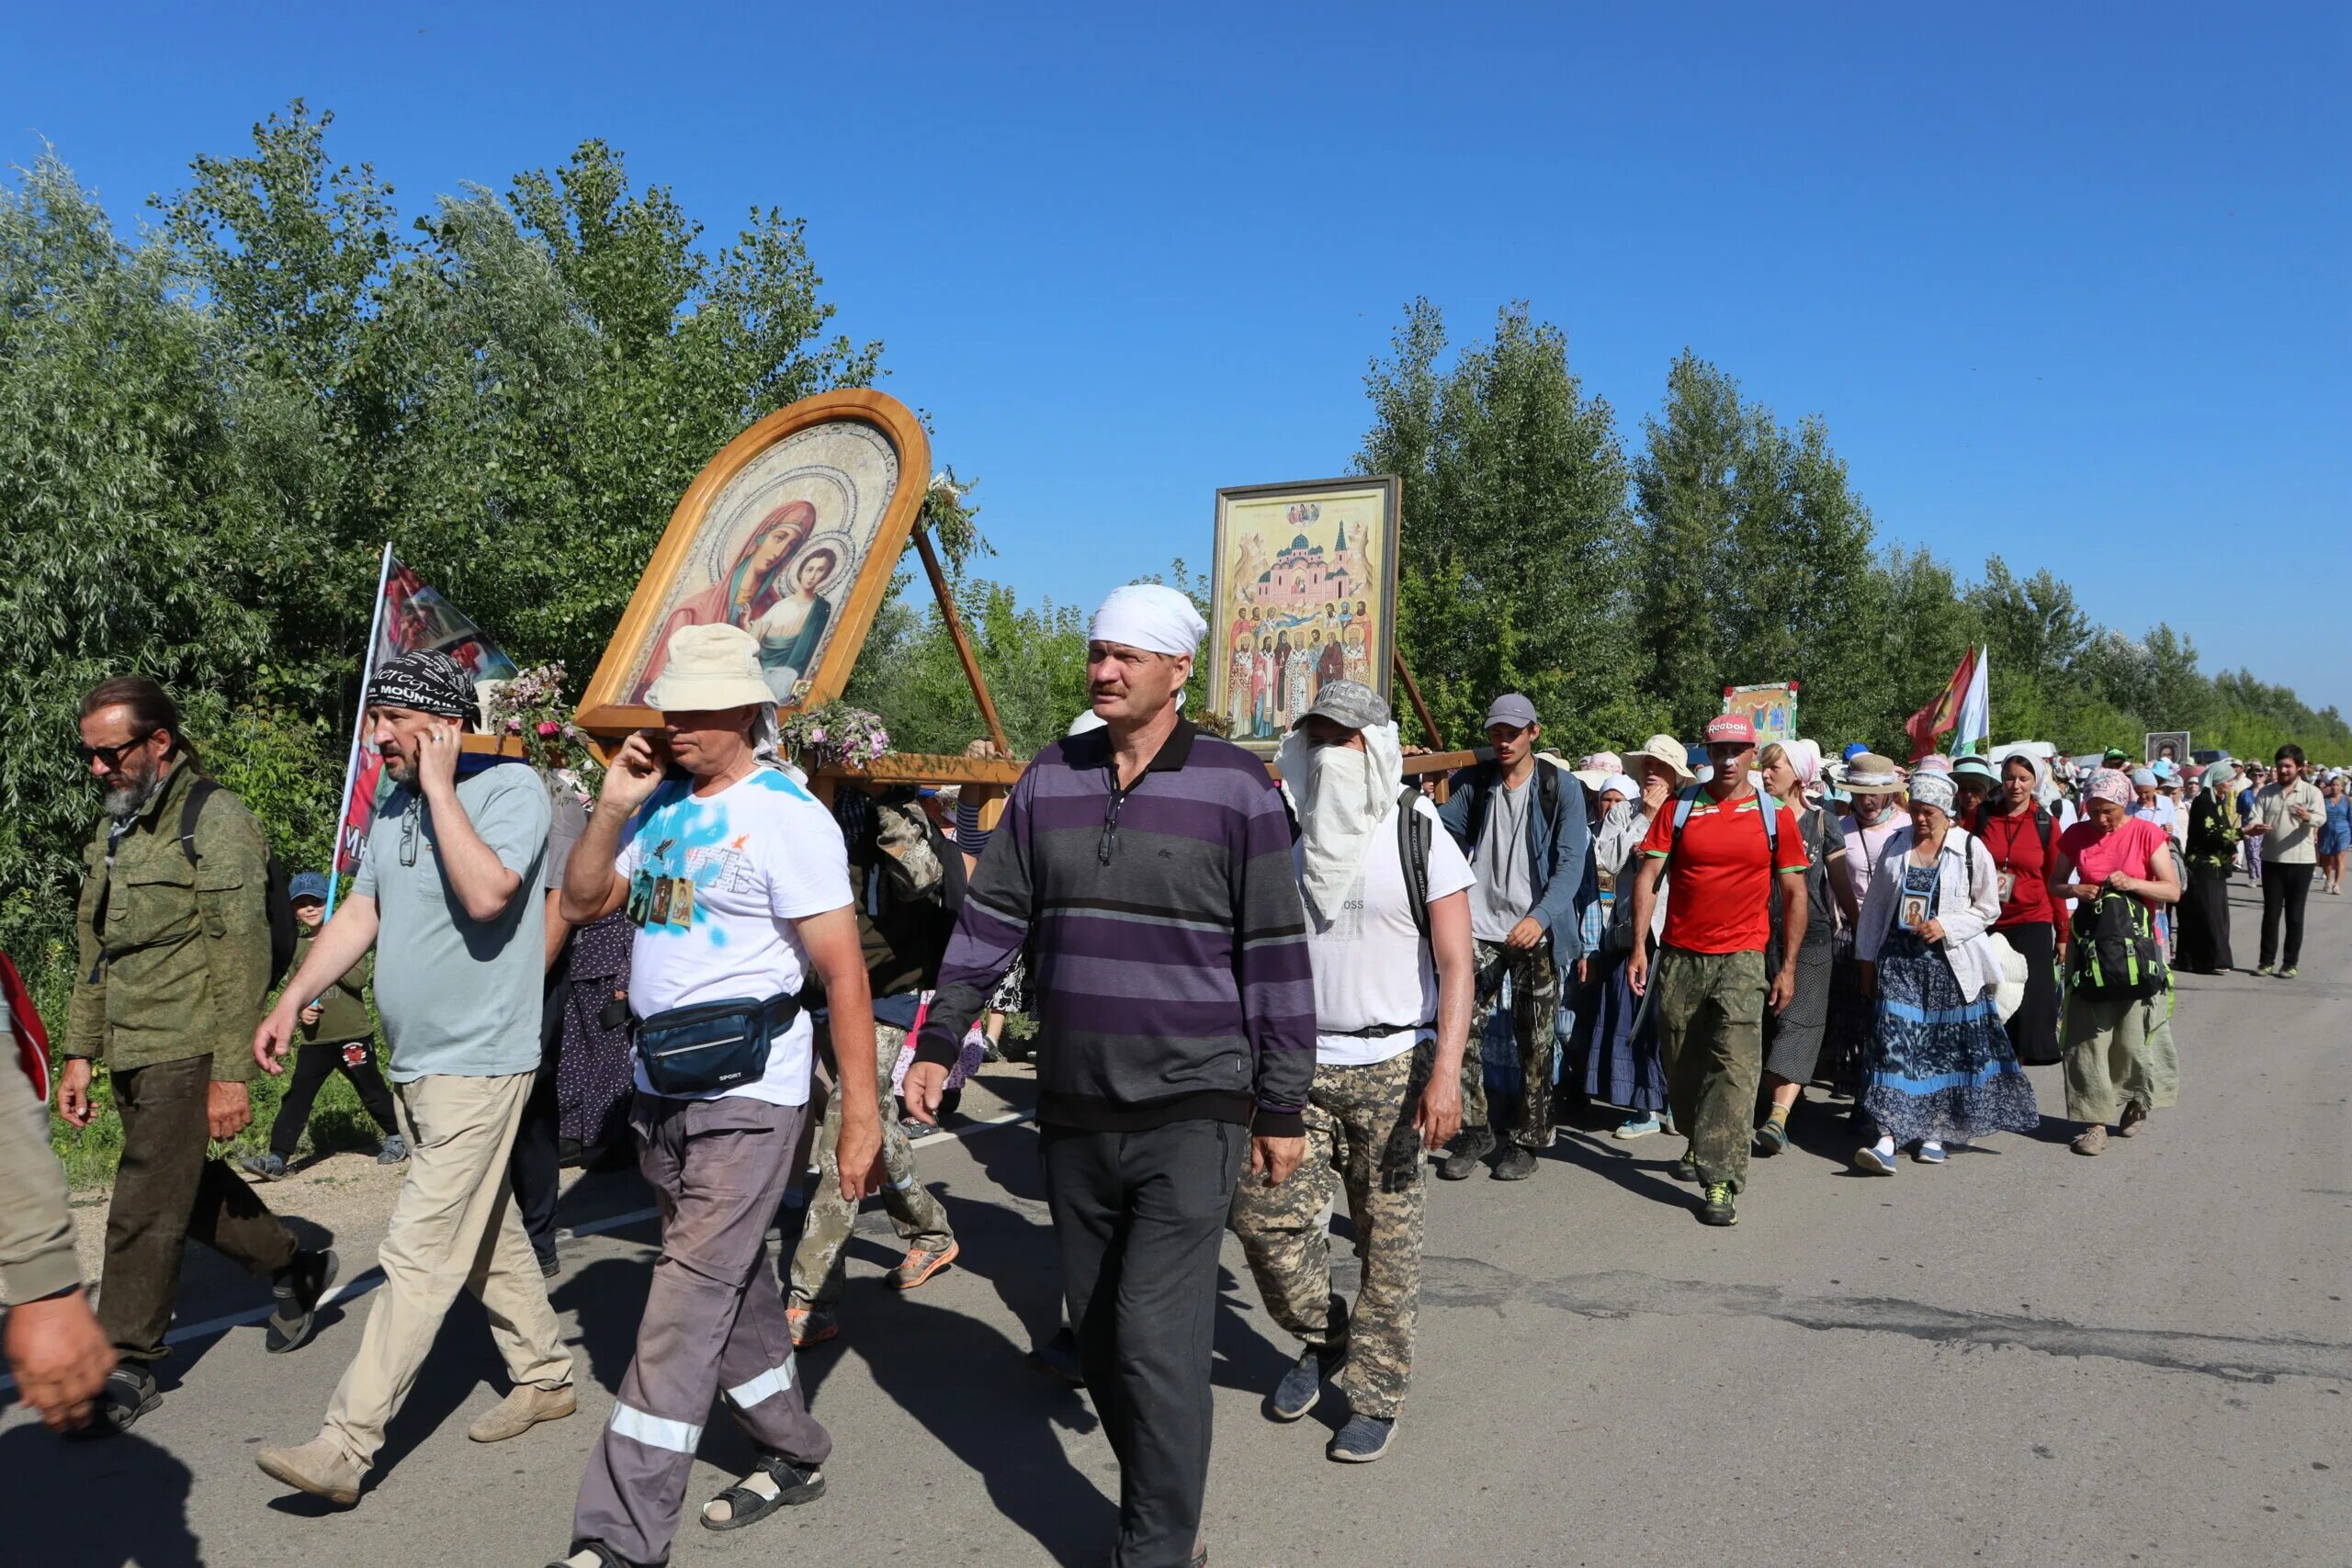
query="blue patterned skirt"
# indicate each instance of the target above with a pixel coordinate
(1622, 1065)
(1940, 1065)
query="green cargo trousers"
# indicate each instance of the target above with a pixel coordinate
(1710, 1039)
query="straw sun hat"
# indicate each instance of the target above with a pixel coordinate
(710, 667)
(1665, 749)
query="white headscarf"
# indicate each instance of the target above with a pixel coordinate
(1147, 616)
(1341, 796)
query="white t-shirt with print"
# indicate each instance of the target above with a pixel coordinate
(715, 884)
(1371, 966)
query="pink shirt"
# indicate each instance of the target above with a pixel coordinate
(2132, 849)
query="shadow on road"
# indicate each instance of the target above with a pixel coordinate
(117, 1499)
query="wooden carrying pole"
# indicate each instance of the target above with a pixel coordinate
(955, 631)
(1413, 691)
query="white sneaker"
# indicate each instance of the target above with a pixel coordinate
(1929, 1153)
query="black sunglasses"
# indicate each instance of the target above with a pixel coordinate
(113, 755)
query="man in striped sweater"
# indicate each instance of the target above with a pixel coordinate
(1147, 868)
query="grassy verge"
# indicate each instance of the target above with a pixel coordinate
(337, 1122)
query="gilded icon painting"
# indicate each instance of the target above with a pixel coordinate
(792, 534)
(1304, 593)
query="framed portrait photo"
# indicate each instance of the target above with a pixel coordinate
(1304, 593)
(2166, 745)
(792, 533)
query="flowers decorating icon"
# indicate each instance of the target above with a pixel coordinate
(532, 705)
(834, 733)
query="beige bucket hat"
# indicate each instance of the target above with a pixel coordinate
(710, 667)
(1665, 749)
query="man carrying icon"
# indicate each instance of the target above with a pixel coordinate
(449, 894)
(737, 882)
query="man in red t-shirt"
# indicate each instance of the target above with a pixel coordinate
(1711, 989)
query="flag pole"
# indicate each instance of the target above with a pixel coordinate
(358, 727)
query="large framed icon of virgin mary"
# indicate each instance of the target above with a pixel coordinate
(792, 533)
(1304, 593)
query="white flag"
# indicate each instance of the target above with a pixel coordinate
(1972, 734)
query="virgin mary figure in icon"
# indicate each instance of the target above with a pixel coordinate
(748, 588)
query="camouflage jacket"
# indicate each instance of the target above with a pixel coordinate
(181, 966)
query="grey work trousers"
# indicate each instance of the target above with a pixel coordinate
(714, 1320)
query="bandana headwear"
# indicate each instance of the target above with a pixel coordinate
(424, 682)
(1934, 789)
(2110, 784)
(1147, 616)
(1342, 797)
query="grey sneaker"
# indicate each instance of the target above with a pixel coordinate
(1468, 1149)
(265, 1167)
(1362, 1440)
(394, 1151)
(1302, 1386)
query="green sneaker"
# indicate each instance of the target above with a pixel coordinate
(2265, 969)
(2288, 973)
(1687, 1168)
(1717, 1209)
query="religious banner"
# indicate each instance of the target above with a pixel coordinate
(2166, 745)
(409, 614)
(1772, 708)
(1304, 593)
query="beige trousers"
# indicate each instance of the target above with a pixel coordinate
(453, 1225)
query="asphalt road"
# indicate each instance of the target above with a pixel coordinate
(2023, 1356)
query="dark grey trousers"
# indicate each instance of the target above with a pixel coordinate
(713, 1321)
(1138, 1217)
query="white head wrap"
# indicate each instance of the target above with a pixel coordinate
(1341, 796)
(1147, 616)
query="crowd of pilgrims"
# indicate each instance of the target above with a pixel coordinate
(1885, 1019)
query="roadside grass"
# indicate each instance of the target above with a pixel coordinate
(337, 1122)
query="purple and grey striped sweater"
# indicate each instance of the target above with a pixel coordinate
(1168, 942)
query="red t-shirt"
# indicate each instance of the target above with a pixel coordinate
(2015, 843)
(1720, 889)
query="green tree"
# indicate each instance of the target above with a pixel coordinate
(1516, 527)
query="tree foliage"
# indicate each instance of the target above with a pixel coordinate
(212, 429)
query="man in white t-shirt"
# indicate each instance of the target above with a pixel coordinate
(738, 884)
(1393, 992)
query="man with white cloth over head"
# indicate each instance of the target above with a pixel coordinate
(1147, 868)
(1393, 989)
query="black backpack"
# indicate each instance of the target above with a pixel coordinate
(276, 901)
(2116, 955)
(1413, 854)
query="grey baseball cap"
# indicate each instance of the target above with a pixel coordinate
(1512, 709)
(1349, 702)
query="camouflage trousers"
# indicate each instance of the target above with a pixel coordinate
(816, 1265)
(1534, 1000)
(1711, 1041)
(1359, 1137)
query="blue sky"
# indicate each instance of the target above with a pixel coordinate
(2067, 283)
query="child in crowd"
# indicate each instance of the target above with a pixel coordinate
(337, 1035)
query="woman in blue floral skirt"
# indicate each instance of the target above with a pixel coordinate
(1941, 1071)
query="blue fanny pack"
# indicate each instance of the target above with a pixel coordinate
(711, 1045)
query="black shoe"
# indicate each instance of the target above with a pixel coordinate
(1687, 1168)
(1058, 1357)
(297, 1287)
(1462, 1159)
(1716, 1209)
(1516, 1164)
(551, 1263)
(747, 1505)
(128, 1393)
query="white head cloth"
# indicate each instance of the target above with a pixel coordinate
(1147, 616)
(1341, 796)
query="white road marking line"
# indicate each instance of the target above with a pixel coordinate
(360, 1284)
